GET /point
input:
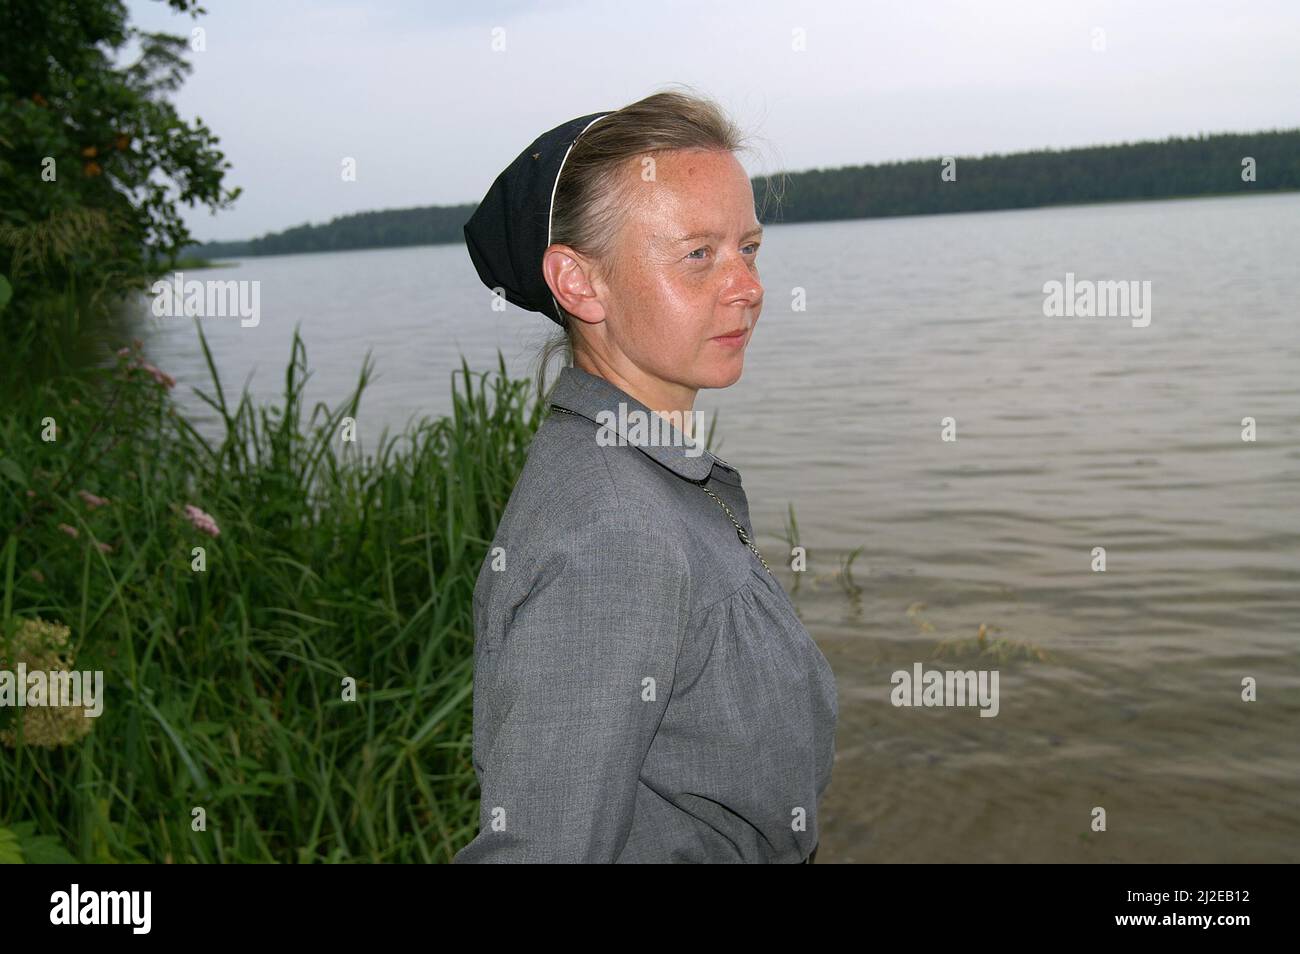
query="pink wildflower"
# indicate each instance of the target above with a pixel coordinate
(162, 377)
(70, 531)
(104, 547)
(124, 352)
(201, 520)
(91, 500)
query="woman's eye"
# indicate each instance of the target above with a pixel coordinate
(750, 249)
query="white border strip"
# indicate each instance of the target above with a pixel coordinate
(550, 212)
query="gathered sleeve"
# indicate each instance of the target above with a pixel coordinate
(571, 688)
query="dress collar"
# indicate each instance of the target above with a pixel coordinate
(588, 395)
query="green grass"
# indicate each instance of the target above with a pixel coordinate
(224, 687)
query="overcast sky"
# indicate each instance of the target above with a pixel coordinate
(416, 94)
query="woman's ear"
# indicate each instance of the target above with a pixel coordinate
(573, 282)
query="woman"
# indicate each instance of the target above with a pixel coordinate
(643, 690)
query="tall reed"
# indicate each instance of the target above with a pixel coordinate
(225, 686)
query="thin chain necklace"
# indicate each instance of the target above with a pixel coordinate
(740, 531)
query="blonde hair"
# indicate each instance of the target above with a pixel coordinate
(587, 211)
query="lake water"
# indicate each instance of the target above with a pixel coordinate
(1072, 433)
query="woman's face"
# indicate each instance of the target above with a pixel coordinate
(685, 275)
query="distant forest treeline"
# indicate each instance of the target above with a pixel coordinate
(1200, 165)
(427, 225)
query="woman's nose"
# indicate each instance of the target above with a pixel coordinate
(742, 279)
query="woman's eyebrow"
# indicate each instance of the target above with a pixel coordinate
(757, 230)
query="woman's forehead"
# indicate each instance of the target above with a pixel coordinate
(680, 214)
(672, 223)
(687, 167)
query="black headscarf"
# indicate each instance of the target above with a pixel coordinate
(511, 228)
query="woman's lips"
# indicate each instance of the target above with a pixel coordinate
(733, 340)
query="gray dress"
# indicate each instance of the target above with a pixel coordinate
(643, 690)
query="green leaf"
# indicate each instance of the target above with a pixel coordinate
(6, 292)
(36, 849)
(46, 850)
(10, 469)
(10, 852)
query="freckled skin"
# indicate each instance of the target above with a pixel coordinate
(647, 328)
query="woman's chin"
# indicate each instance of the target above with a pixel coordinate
(724, 375)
